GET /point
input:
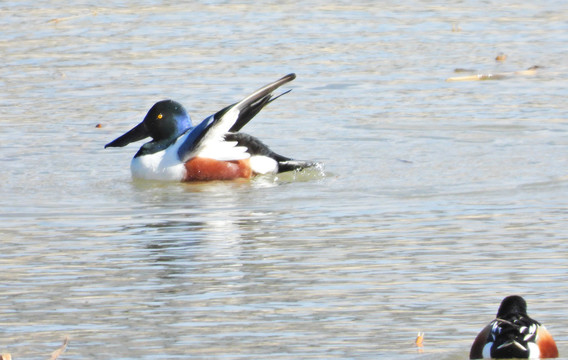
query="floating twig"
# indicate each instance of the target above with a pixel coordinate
(56, 353)
(497, 76)
(57, 20)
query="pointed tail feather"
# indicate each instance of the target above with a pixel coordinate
(293, 165)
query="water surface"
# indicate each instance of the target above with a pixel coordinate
(438, 199)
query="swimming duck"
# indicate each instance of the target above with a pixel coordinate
(513, 334)
(215, 149)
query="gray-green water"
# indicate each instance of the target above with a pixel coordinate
(438, 198)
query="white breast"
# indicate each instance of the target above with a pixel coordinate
(163, 165)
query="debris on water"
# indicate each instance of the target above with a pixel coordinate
(405, 161)
(57, 20)
(498, 76)
(420, 341)
(501, 57)
(534, 67)
(462, 70)
(54, 355)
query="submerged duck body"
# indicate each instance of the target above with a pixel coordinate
(212, 150)
(513, 334)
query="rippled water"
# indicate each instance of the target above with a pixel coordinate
(438, 199)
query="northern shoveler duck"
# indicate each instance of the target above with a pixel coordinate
(212, 150)
(513, 334)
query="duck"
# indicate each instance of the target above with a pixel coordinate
(513, 334)
(214, 149)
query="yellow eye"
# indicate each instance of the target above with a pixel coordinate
(160, 116)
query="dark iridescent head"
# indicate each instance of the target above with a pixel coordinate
(165, 121)
(513, 304)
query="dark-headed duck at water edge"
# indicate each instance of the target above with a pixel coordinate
(513, 334)
(212, 150)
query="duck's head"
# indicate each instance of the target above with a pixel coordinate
(513, 304)
(165, 122)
